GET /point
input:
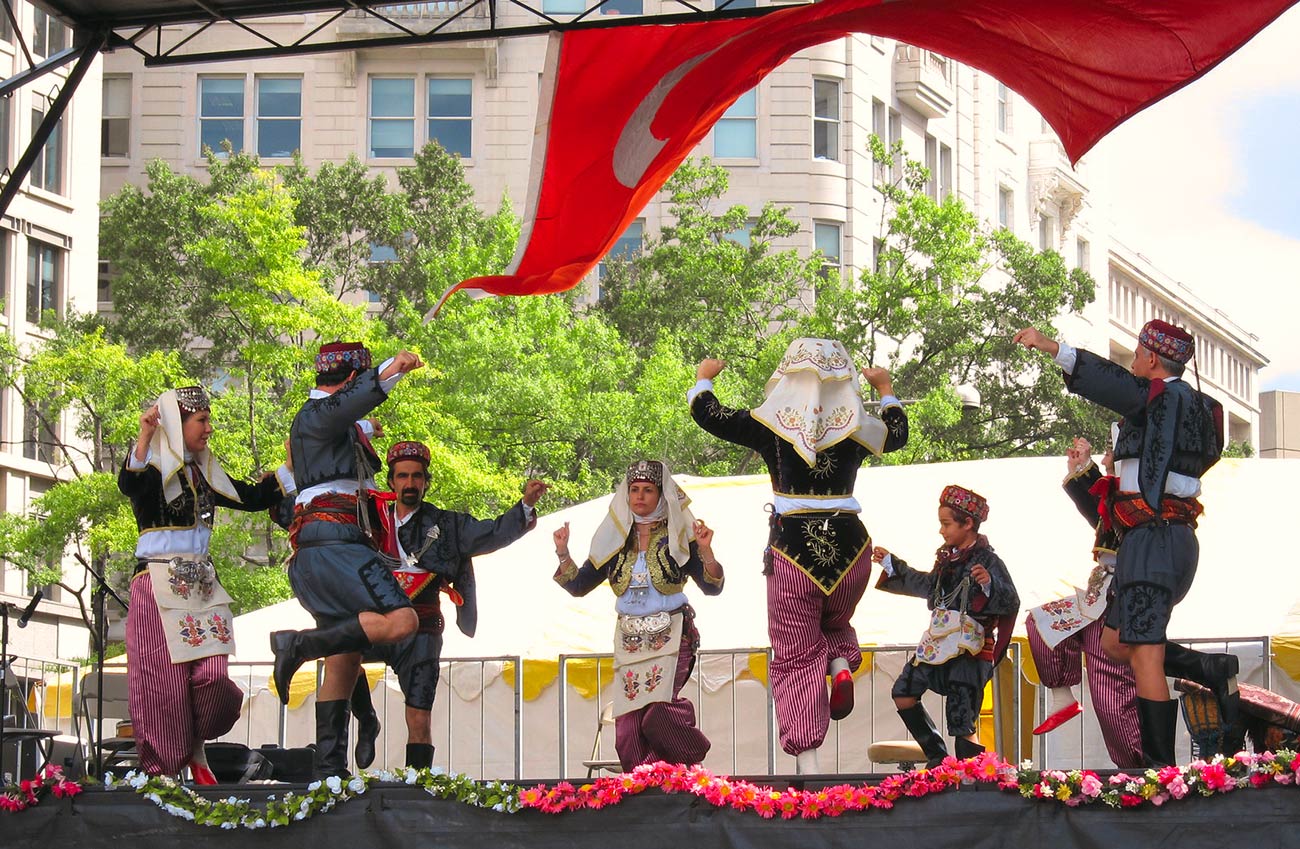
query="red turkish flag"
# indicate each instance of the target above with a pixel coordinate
(621, 108)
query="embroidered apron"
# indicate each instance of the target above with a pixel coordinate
(952, 630)
(193, 606)
(645, 659)
(1058, 619)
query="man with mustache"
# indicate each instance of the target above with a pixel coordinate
(433, 550)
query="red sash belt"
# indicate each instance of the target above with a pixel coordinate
(1132, 511)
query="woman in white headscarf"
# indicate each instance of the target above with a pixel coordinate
(814, 434)
(647, 547)
(178, 631)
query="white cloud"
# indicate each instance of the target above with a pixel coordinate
(1173, 174)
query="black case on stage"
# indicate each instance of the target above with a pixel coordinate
(297, 766)
(235, 763)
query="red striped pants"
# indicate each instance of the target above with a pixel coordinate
(173, 705)
(1111, 687)
(808, 628)
(664, 731)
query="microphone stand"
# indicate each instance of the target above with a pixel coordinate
(101, 638)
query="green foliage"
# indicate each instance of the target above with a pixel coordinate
(1238, 448)
(931, 314)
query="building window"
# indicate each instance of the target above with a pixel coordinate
(6, 110)
(115, 125)
(279, 116)
(826, 119)
(392, 117)
(628, 245)
(880, 129)
(734, 4)
(1082, 254)
(744, 235)
(1046, 233)
(564, 7)
(622, 7)
(895, 137)
(1005, 208)
(826, 238)
(38, 442)
(221, 114)
(104, 285)
(44, 267)
(735, 136)
(49, 34)
(47, 170)
(1004, 109)
(945, 172)
(6, 29)
(451, 115)
(932, 167)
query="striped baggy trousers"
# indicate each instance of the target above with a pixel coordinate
(1111, 686)
(172, 705)
(665, 731)
(807, 628)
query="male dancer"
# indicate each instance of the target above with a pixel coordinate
(1170, 436)
(337, 573)
(433, 548)
(1063, 631)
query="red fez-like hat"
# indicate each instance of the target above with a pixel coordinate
(408, 451)
(1172, 343)
(336, 355)
(967, 501)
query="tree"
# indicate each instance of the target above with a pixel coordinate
(940, 309)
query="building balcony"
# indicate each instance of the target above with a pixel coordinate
(923, 80)
(1057, 188)
(392, 18)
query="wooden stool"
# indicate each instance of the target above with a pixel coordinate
(906, 753)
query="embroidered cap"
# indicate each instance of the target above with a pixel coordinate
(646, 470)
(192, 399)
(967, 501)
(336, 355)
(1170, 342)
(408, 451)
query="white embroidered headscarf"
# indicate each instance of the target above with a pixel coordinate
(814, 400)
(168, 454)
(612, 534)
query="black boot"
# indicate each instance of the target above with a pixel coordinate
(1158, 722)
(332, 738)
(419, 755)
(367, 722)
(1218, 672)
(921, 727)
(966, 749)
(293, 648)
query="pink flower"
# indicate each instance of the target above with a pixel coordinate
(1216, 777)
(1177, 788)
(1169, 773)
(1159, 799)
(1259, 779)
(765, 805)
(1090, 786)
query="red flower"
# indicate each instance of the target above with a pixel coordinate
(1130, 800)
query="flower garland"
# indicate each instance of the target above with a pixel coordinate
(1072, 788)
(767, 801)
(232, 812)
(22, 795)
(1157, 786)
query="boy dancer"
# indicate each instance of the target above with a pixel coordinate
(973, 604)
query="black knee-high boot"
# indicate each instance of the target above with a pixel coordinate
(293, 648)
(921, 727)
(1217, 672)
(966, 749)
(332, 738)
(1158, 721)
(419, 755)
(367, 722)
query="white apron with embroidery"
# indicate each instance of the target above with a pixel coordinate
(194, 607)
(951, 632)
(1066, 616)
(645, 659)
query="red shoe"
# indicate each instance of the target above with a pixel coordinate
(201, 774)
(842, 694)
(1059, 718)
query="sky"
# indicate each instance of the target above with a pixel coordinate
(1206, 185)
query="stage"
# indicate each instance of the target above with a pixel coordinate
(389, 814)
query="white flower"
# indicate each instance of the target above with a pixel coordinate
(437, 770)
(259, 823)
(356, 785)
(499, 807)
(313, 787)
(301, 815)
(232, 801)
(109, 778)
(305, 806)
(334, 783)
(137, 779)
(228, 825)
(411, 775)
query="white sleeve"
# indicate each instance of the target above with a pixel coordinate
(701, 385)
